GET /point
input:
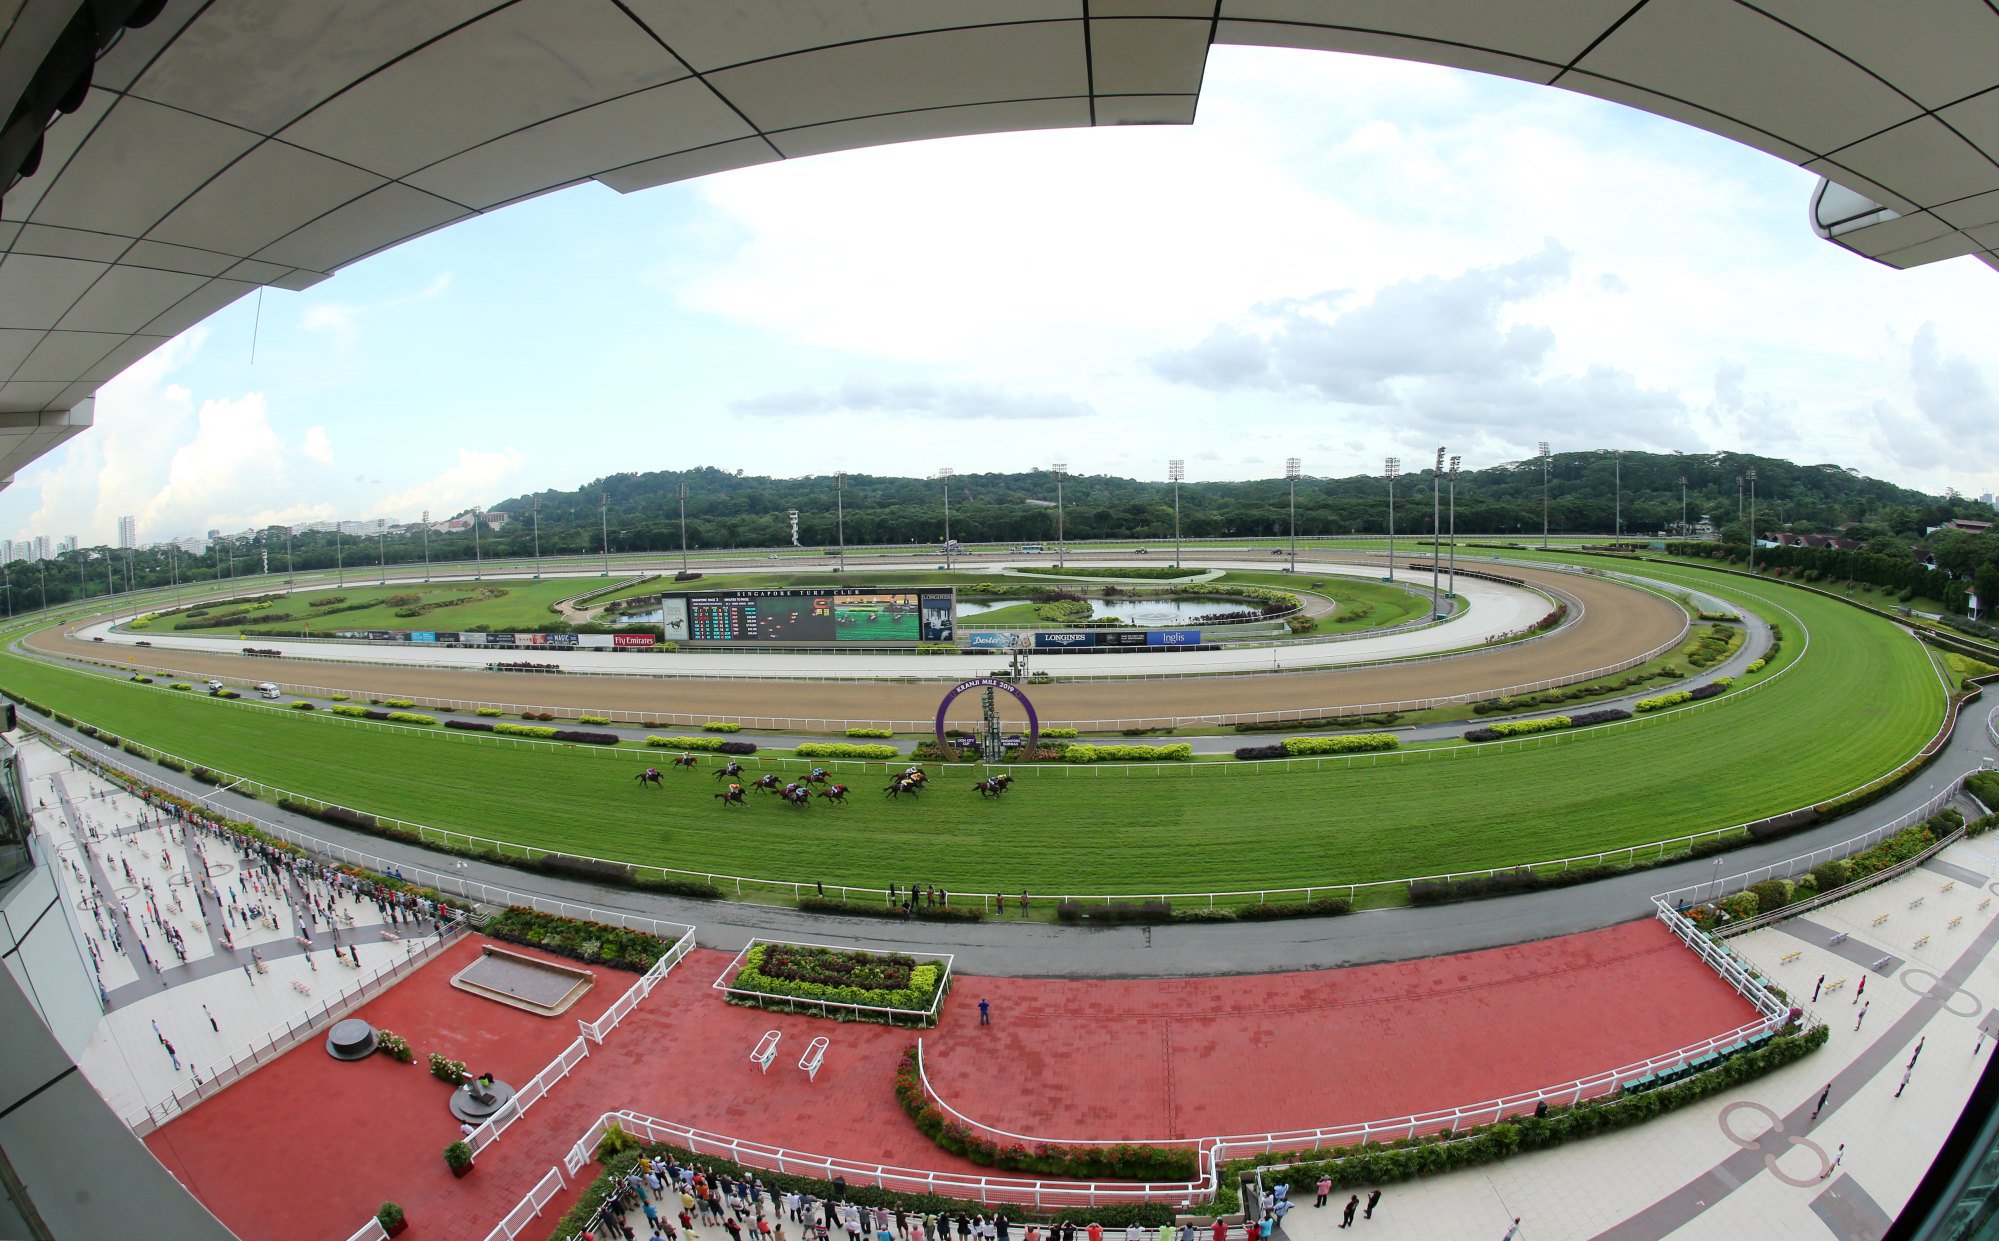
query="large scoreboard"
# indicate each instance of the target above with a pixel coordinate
(820, 617)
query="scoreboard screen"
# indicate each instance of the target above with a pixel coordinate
(820, 617)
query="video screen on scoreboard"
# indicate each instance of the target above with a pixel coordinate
(820, 617)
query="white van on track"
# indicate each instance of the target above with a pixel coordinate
(266, 690)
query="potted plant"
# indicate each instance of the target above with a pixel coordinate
(390, 1217)
(459, 1157)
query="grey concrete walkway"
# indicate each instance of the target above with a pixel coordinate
(1040, 949)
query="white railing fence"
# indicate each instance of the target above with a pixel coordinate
(371, 1231)
(528, 1095)
(529, 1208)
(596, 1030)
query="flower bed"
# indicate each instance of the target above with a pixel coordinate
(1123, 1161)
(862, 986)
(595, 942)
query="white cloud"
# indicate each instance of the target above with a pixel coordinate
(476, 478)
(952, 402)
(342, 320)
(318, 446)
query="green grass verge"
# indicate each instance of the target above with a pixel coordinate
(1860, 701)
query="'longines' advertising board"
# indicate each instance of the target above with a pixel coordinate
(819, 617)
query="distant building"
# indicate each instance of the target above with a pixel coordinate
(128, 531)
(7, 551)
(1965, 524)
(41, 547)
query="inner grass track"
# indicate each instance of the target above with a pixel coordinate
(1857, 701)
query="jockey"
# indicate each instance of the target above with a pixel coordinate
(818, 773)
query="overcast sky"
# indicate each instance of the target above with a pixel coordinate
(1342, 258)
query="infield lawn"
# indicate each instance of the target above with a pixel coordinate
(1856, 701)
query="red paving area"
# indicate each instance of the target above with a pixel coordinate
(308, 1147)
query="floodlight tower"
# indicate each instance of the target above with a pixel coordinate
(681, 491)
(1061, 470)
(603, 529)
(339, 561)
(1176, 471)
(840, 513)
(1750, 474)
(944, 475)
(288, 550)
(1683, 506)
(1454, 526)
(1617, 494)
(1291, 478)
(382, 547)
(426, 545)
(534, 519)
(1392, 469)
(1436, 546)
(1544, 495)
(478, 560)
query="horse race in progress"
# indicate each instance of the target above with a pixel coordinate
(985, 624)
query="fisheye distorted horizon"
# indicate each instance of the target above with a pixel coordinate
(1343, 258)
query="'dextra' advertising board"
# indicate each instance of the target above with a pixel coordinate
(989, 641)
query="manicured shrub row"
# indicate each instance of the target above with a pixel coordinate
(718, 726)
(578, 736)
(866, 909)
(1517, 728)
(870, 732)
(924, 981)
(594, 942)
(303, 705)
(1508, 882)
(600, 721)
(409, 717)
(1355, 743)
(707, 745)
(1697, 693)
(1057, 734)
(1383, 720)
(834, 968)
(1572, 693)
(1773, 894)
(1126, 753)
(1985, 787)
(1377, 1163)
(1713, 646)
(1123, 1162)
(489, 712)
(834, 749)
(398, 703)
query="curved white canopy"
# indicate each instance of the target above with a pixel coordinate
(230, 144)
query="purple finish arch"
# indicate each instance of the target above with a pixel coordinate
(1033, 720)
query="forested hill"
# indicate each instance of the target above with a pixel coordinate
(724, 509)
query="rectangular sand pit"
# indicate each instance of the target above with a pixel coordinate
(524, 982)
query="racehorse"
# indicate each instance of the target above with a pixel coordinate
(992, 786)
(903, 784)
(732, 796)
(650, 776)
(915, 775)
(729, 770)
(768, 783)
(685, 760)
(799, 795)
(835, 793)
(818, 776)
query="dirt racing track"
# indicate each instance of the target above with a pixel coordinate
(1618, 623)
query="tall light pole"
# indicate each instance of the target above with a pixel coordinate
(944, 475)
(288, 552)
(1617, 493)
(382, 547)
(840, 514)
(1454, 526)
(534, 519)
(1751, 476)
(604, 529)
(1683, 506)
(339, 564)
(426, 545)
(1436, 545)
(478, 561)
(1060, 470)
(1738, 497)
(1392, 468)
(1176, 471)
(1544, 495)
(682, 492)
(1291, 479)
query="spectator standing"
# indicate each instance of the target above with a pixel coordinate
(1324, 1187)
(1346, 1218)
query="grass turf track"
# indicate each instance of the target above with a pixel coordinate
(1858, 702)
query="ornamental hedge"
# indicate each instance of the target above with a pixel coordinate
(580, 940)
(575, 735)
(911, 1001)
(719, 726)
(1125, 1161)
(707, 745)
(870, 732)
(1697, 693)
(1357, 743)
(1127, 753)
(834, 749)
(1378, 1163)
(1514, 728)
